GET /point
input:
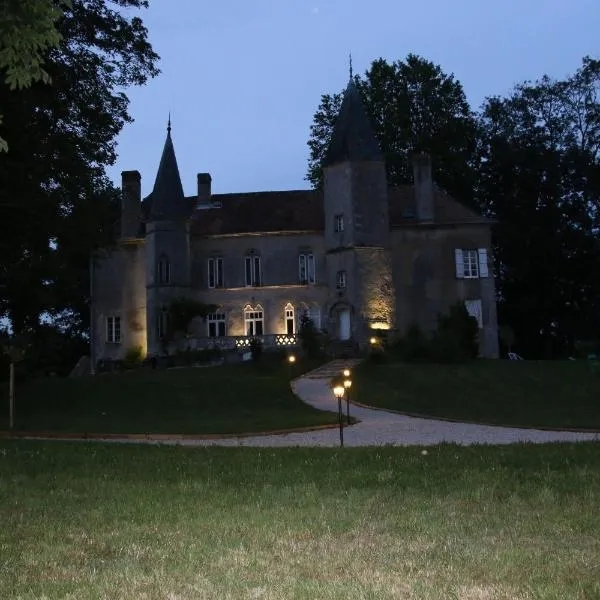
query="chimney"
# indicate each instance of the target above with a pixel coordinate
(423, 183)
(131, 198)
(204, 181)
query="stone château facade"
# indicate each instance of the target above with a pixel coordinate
(356, 256)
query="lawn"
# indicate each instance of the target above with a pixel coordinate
(502, 392)
(92, 520)
(226, 399)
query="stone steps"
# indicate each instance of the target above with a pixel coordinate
(333, 368)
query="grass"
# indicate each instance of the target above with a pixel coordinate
(95, 520)
(227, 399)
(553, 394)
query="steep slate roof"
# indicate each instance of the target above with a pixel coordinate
(166, 199)
(302, 210)
(297, 210)
(352, 137)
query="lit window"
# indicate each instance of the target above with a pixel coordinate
(253, 321)
(113, 330)
(290, 323)
(340, 280)
(215, 272)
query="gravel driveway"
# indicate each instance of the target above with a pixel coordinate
(378, 427)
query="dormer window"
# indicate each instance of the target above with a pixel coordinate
(338, 223)
(163, 271)
(252, 269)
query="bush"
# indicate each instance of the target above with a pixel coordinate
(414, 346)
(134, 357)
(256, 349)
(461, 326)
(310, 338)
(454, 340)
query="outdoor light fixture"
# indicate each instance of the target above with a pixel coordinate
(291, 360)
(373, 340)
(347, 386)
(346, 372)
(338, 392)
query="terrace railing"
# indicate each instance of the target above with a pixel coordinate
(231, 342)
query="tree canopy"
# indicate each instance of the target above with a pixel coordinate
(57, 201)
(539, 176)
(27, 30)
(414, 106)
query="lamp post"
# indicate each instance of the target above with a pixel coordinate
(347, 385)
(338, 392)
(291, 361)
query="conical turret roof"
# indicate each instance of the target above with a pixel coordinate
(353, 138)
(167, 199)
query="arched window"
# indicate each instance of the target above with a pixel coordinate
(253, 320)
(163, 270)
(290, 321)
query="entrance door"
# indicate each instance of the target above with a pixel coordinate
(344, 323)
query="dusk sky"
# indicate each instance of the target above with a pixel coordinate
(242, 79)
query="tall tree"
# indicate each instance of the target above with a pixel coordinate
(414, 106)
(27, 29)
(540, 178)
(57, 202)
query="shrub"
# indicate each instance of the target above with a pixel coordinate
(256, 349)
(454, 340)
(463, 328)
(134, 357)
(310, 337)
(414, 346)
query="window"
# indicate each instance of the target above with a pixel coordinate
(313, 313)
(306, 268)
(475, 310)
(290, 323)
(339, 223)
(471, 264)
(340, 280)
(113, 330)
(163, 271)
(253, 274)
(253, 321)
(215, 272)
(162, 323)
(216, 325)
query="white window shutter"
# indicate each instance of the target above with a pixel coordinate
(460, 267)
(483, 263)
(474, 308)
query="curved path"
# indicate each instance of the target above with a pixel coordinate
(379, 427)
(376, 427)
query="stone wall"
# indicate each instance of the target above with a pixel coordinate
(425, 277)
